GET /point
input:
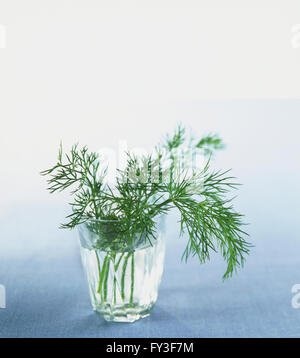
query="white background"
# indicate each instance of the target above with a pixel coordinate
(96, 72)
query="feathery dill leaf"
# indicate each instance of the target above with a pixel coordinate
(150, 186)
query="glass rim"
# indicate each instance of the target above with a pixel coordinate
(114, 220)
(103, 220)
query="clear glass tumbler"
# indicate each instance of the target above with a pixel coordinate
(123, 274)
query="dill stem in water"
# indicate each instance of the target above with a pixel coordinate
(132, 280)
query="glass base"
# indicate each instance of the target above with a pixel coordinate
(124, 313)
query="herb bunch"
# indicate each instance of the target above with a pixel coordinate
(150, 186)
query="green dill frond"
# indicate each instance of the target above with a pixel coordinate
(177, 139)
(150, 186)
(210, 143)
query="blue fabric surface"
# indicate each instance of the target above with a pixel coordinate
(47, 295)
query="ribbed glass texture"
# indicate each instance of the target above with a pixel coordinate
(123, 284)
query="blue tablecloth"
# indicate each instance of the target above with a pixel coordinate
(47, 296)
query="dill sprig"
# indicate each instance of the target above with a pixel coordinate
(150, 186)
